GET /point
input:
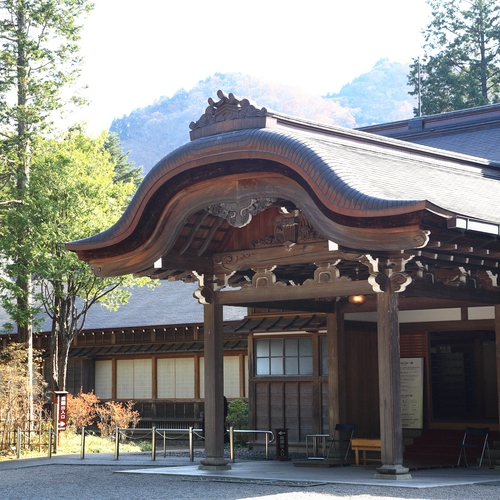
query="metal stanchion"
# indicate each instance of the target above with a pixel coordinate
(191, 450)
(117, 443)
(164, 444)
(49, 447)
(267, 446)
(18, 444)
(82, 450)
(231, 444)
(153, 443)
(56, 427)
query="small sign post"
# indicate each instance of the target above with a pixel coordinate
(60, 412)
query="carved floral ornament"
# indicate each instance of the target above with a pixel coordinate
(290, 227)
(239, 213)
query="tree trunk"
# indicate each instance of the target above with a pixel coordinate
(63, 362)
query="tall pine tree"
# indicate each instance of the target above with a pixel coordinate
(460, 67)
(38, 60)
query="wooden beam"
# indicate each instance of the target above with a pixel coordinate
(460, 293)
(276, 293)
(306, 305)
(187, 263)
(306, 253)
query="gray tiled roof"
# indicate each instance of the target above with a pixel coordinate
(170, 303)
(472, 131)
(484, 143)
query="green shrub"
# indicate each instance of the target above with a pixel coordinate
(237, 417)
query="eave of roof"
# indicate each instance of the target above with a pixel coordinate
(351, 173)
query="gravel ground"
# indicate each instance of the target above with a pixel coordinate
(90, 481)
(100, 482)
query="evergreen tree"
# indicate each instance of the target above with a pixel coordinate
(38, 59)
(460, 67)
(125, 170)
(74, 194)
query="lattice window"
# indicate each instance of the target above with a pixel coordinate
(284, 356)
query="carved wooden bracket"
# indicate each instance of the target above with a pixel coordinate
(326, 272)
(204, 295)
(208, 285)
(239, 213)
(395, 282)
(424, 273)
(264, 278)
(493, 278)
(387, 274)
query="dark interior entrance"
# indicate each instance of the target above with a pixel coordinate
(463, 376)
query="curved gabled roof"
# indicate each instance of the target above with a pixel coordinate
(356, 188)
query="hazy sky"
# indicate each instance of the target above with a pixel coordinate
(137, 51)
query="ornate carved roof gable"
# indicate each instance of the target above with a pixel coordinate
(229, 113)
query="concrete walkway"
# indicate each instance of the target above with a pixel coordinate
(262, 471)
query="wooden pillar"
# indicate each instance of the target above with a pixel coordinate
(214, 389)
(332, 332)
(391, 426)
(497, 337)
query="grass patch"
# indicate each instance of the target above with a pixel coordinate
(71, 442)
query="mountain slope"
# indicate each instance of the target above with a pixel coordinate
(152, 132)
(379, 96)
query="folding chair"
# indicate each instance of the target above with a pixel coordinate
(341, 435)
(475, 438)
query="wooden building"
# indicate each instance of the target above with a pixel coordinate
(349, 249)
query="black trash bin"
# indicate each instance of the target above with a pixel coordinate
(281, 444)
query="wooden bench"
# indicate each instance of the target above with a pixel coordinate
(364, 445)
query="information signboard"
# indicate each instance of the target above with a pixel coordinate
(412, 392)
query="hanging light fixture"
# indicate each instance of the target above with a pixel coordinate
(357, 300)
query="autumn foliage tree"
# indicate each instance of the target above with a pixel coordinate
(113, 414)
(86, 409)
(81, 410)
(16, 392)
(460, 67)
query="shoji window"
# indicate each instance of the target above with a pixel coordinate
(134, 379)
(104, 379)
(231, 376)
(175, 378)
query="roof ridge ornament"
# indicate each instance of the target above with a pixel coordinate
(229, 113)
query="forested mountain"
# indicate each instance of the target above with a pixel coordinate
(378, 96)
(152, 132)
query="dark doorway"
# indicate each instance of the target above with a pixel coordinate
(463, 376)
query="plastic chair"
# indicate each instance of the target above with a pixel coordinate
(475, 438)
(341, 435)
